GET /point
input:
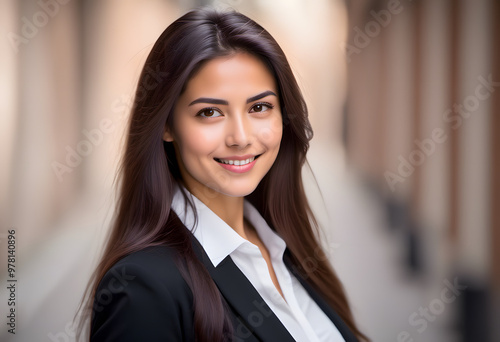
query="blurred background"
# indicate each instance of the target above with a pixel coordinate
(404, 163)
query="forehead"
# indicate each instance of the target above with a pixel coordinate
(241, 74)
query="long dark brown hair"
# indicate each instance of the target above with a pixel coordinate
(149, 169)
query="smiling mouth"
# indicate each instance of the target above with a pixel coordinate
(236, 162)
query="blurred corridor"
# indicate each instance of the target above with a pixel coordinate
(401, 96)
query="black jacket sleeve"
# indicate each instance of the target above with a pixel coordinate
(143, 297)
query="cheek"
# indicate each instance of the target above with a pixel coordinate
(271, 131)
(196, 140)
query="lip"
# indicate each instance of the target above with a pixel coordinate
(246, 156)
(238, 168)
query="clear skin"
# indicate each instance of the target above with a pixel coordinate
(229, 108)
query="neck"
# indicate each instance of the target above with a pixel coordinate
(228, 208)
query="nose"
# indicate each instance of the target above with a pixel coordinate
(239, 131)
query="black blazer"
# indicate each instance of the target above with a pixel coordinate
(144, 297)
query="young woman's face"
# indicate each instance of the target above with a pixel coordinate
(227, 126)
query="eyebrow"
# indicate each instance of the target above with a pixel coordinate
(224, 102)
(261, 95)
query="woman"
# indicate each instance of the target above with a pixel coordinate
(213, 229)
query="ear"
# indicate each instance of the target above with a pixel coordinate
(167, 136)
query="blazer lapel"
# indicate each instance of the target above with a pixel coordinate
(327, 309)
(253, 314)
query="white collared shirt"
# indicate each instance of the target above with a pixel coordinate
(299, 314)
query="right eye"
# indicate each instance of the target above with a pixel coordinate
(209, 113)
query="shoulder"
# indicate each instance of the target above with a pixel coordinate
(150, 268)
(156, 262)
(143, 296)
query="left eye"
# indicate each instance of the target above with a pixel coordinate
(261, 107)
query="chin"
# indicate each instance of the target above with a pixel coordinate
(236, 191)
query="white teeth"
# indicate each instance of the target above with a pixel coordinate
(237, 162)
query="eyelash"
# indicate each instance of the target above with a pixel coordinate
(215, 109)
(266, 104)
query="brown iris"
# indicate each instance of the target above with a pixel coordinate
(209, 112)
(258, 108)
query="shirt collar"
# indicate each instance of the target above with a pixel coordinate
(217, 238)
